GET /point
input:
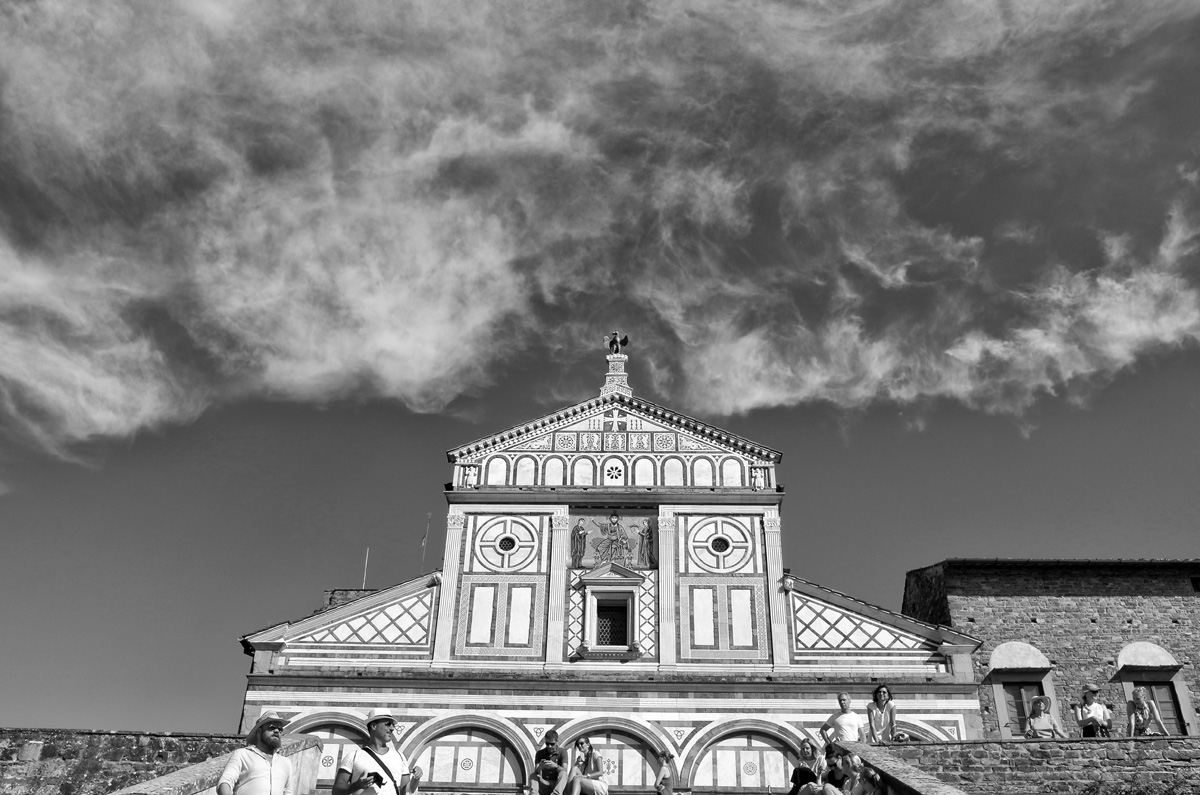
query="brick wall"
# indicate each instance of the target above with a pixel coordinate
(70, 762)
(1027, 766)
(1080, 614)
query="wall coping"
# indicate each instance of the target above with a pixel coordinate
(204, 775)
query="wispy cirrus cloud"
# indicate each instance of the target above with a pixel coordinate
(848, 202)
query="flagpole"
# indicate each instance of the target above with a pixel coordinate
(368, 557)
(428, 519)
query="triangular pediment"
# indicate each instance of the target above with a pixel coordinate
(400, 617)
(615, 423)
(611, 574)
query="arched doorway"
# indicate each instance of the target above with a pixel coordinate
(744, 762)
(469, 759)
(335, 738)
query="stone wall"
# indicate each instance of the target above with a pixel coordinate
(72, 762)
(1017, 767)
(1079, 614)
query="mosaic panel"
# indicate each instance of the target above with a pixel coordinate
(566, 441)
(402, 623)
(628, 538)
(589, 441)
(818, 625)
(614, 441)
(664, 442)
(639, 441)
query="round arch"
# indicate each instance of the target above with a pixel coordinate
(700, 745)
(1143, 654)
(505, 729)
(629, 755)
(554, 471)
(1016, 654)
(348, 720)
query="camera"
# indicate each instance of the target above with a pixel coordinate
(376, 779)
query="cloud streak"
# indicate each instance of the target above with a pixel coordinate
(783, 202)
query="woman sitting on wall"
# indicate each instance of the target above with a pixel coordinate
(1143, 715)
(1041, 724)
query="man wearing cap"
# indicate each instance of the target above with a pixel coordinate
(1093, 718)
(259, 768)
(1041, 723)
(376, 768)
(548, 764)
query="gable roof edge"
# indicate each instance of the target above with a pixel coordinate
(935, 632)
(545, 422)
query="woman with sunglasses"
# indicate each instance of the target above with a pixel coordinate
(587, 772)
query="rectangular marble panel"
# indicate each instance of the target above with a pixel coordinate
(741, 609)
(520, 613)
(483, 600)
(703, 630)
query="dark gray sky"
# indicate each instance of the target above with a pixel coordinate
(261, 264)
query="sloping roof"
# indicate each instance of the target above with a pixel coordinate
(276, 632)
(1030, 563)
(938, 632)
(570, 413)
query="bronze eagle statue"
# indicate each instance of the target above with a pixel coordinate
(615, 342)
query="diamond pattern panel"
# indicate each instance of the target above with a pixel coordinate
(823, 626)
(647, 615)
(404, 623)
(575, 613)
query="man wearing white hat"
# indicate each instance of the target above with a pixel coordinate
(258, 769)
(376, 768)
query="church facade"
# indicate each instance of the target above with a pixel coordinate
(612, 570)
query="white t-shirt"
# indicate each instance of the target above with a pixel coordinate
(846, 726)
(1097, 711)
(358, 762)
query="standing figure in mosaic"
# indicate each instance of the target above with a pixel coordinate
(881, 716)
(578, 544)
(647, 558)
(258, 769)
(376, 768)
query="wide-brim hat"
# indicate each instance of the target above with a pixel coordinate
(1044, 700)
(270, 716)
(380, 714)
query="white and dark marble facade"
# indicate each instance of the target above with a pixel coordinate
(612, 570)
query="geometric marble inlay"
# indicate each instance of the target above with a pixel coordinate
(403, 622)
(823, 626)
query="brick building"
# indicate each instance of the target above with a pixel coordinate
(615, 570)
(1050, 626)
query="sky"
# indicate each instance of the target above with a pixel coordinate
(263, 263)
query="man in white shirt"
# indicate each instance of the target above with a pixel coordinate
(258, 769)
(376, 768)
(845, 725)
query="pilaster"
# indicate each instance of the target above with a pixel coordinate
(560, 546)
(777, 599)
(668, 596)
(443, 643)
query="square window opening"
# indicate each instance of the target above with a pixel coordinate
(612, 622)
